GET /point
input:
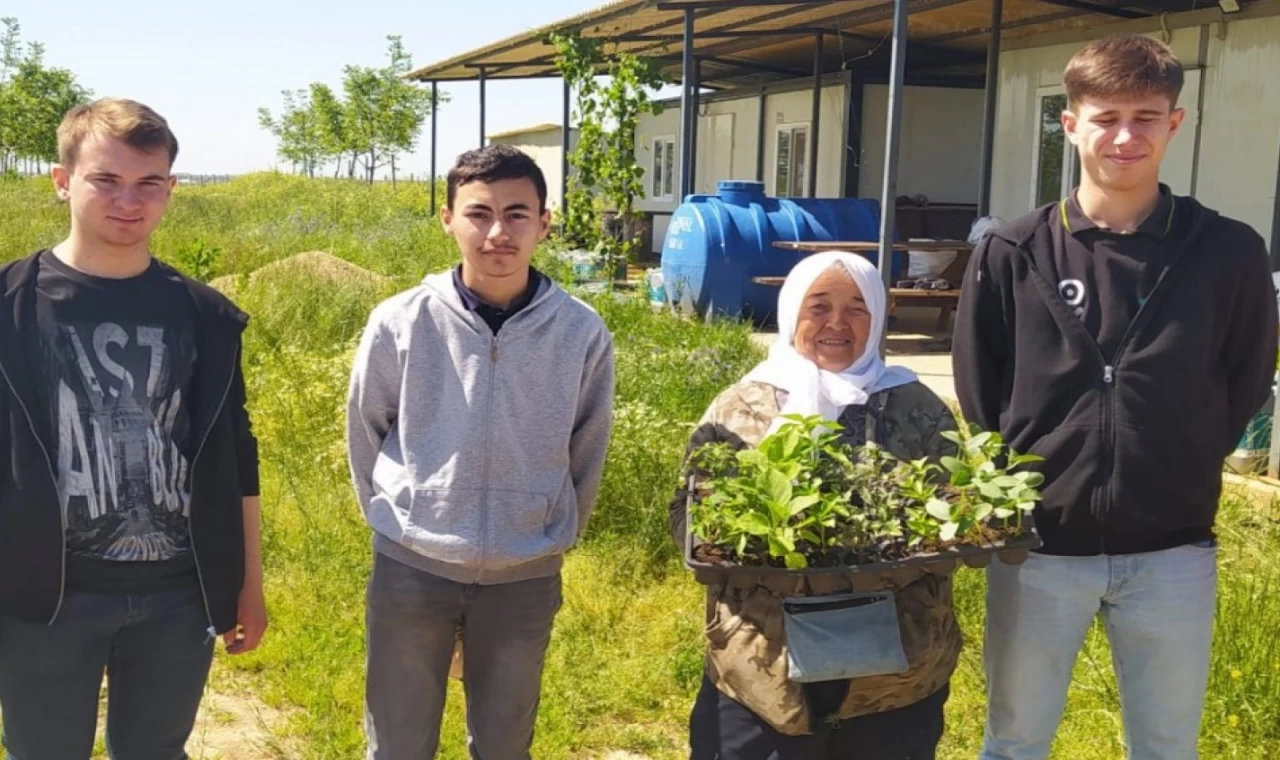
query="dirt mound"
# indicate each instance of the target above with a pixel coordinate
(314, 265)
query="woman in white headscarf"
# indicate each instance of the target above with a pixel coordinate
(826, 361)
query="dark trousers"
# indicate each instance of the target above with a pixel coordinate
(412, 622)
(722, 729)
(155, 649)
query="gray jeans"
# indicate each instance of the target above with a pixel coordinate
(155, 649)
(412, 620)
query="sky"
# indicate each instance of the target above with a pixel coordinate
(208, 66)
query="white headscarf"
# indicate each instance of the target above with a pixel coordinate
(811, 389)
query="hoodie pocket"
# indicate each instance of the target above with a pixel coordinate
(517, 528)
(445, 524)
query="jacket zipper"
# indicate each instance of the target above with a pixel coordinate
(191, 532)
(1105, 491)
(53, 478)
(488, 435)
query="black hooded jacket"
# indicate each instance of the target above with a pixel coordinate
(224, 470)
(1133, 445)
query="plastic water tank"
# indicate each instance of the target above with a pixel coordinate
(716, 244)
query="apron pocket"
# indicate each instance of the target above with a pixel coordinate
(841, 636)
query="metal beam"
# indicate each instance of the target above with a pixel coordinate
(989, 93)
(735, 25)
(715, 35)
(853, 146)
(1105, 10)
(975, 31)
(680, 5)
(427, 72)
(435, 102)
(676, 36)
(753, 66)
(688, 107)
(482, 105)
(697, 106)
(888, 198)
(761, 125)
(1275, 223)
(565, 145)
(815, 124)
(870, 15)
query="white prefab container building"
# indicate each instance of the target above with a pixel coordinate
(1227, 153)
(749, 72)
(544, 143)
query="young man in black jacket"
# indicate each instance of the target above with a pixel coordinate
(129, 483)
(1126, 335)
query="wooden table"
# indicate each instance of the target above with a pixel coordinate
(945, 300)
(871, 246)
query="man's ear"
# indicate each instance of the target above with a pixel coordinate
(545, 223)
(61, 181)
(1175, 121)
(1069, 124)
(446, 219)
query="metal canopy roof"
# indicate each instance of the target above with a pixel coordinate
(739, 42)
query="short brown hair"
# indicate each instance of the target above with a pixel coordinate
(131, 122)
(1123, 66)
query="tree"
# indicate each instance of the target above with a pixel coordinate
(330, 125)
(299, 139)
(33, 100)
(606, 172)
(384, 113)
(378, 117)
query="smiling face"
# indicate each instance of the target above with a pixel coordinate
(497, 225)
(834, 323)
(117, 193)
(1121, 141)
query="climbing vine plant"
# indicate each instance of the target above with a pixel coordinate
(606, 173)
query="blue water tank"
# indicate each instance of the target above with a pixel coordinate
(716, 244)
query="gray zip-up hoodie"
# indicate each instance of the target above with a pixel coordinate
(478, 457)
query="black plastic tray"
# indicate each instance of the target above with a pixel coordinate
(1028, 540)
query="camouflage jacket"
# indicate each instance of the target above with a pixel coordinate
(747, 649)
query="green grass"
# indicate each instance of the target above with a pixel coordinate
(627, 652)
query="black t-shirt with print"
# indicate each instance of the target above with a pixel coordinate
(1105, 276)
(117, 359)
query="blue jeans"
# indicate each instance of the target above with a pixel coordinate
(1158, 610)
(155, 649)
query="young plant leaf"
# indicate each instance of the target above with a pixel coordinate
(939, 510)
(802, 503)
(777, 487)
(949, 531)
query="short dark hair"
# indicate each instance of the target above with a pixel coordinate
(1123, 66)
(493, 163)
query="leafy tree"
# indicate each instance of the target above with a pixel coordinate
(384, 113)
(299, 139)
(606, 175)
(33, 100)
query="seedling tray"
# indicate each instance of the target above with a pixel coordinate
(1028, 540)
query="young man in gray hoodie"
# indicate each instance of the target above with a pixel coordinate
(478, 419)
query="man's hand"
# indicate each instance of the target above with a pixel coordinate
(251, 621)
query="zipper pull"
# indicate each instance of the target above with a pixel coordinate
(1108, 374)
(493, 349)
